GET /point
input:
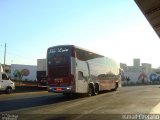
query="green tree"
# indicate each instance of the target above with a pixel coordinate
(18, 75)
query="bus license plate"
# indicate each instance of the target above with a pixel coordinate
(58, 89)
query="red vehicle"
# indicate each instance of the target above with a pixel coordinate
(71, 69)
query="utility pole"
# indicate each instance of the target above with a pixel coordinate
(4, 57)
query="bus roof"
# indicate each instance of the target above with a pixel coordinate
(87, 55)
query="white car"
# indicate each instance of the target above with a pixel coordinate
(6, 84)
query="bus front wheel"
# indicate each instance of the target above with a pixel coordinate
(116, 86)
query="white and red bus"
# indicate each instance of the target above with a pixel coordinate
(71, 69)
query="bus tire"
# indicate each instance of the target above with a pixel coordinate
(96, 89)
(116, 86)
(91, 90)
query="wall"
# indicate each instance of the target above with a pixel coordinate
(28, 72)
(140, 77)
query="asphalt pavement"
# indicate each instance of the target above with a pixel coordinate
(134, 102)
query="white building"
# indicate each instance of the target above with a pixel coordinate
(136, 62)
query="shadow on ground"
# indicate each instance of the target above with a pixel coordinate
(22, 89)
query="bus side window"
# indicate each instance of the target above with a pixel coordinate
(4, 77)
(80, 75)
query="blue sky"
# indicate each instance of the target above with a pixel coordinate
(114, 28)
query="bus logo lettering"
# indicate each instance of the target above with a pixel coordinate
(58, 50)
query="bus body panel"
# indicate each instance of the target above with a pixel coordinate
(82, 77)
(105, 71)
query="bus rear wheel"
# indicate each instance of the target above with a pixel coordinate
(96, 89)
(91, 90)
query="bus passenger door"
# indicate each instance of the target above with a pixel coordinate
(81, 77)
